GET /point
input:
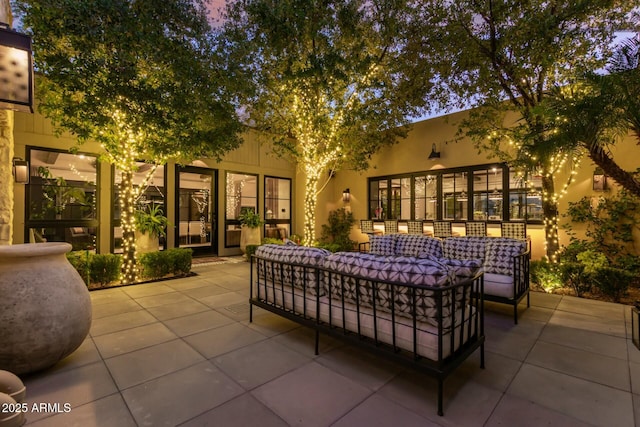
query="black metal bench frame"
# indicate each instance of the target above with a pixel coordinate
(460, 348)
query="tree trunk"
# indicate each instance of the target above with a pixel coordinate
(310, 201)
(550, 212)
(626, 179)
(6, 155)
(127, 222)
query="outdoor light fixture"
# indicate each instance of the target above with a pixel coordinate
(20, 170)
(346, 195)
(434, 154)
(599, 180)
(16, 71)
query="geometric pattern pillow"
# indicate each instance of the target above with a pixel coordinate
(468, 247)
(382, 245)
(300, 277)
(462, 269)
(417, 245)
(500, 253)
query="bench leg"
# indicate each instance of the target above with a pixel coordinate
(250, 313)
(440, 396)
(528, 299)
(317, 342)
(482, 356)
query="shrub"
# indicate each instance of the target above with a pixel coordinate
(251, 249)
(271, 241)
(180, 260)
(545, 275)
(154, 265)
(612, 282)
(105, 268)
(80, 262)
(335, 234)
(575, 276)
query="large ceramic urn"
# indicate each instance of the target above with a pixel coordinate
(249, 236)
(45, 308)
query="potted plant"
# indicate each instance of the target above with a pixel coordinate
(250, 228)
(150, 226)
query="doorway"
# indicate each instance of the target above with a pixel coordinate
(196, 216)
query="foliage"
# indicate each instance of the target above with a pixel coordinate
(612, 282)
(328, 84)
(152, 222)
(250, 250)
(272, 241)
(574, 275)
(501, 57)
(250, 218)
(335, 234)
(155, 265)
(96, 268)
(610, 224)
(139, 77)
(57, 194)
(545, 275)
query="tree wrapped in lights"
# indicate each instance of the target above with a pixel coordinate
(329, 87)
(502, 57)
(138, 76)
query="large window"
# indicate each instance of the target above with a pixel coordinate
(241, 195)
(479, 193)
(277, 207)
(61, 198)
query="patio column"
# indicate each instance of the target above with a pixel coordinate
(6, 155)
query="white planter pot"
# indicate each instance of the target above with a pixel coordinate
(249, 236)
(146, 243)
(45, 307)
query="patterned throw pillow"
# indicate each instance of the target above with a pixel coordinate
(382, 245)
(462, 269)
(417, 245)
(468, 247)
(500, 253)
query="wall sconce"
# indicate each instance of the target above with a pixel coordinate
(20, 170)
(346, 195)
(434, 154)
(16, 71)
(599, 180)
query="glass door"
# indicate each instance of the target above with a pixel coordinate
(195, 211)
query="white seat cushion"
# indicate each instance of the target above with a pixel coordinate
(499, 285)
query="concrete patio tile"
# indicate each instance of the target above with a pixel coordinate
(498, 373)
(163, 299)
(311, 396)
(585, 400)
(152, 362)
(259, 363)
(362, 367)
(244, 410)
(188, 283)
(224, 339)
(223, 300)
(303, 341)
(119, 322)
(589, 307)
(198, 322)
(634, 373)
(632, 351)
(466, 403)
(86, 354)
(117, 307)
(105, 296)
(535, 314)
(509, 343)
(75, 387)
(377, 411)
(610, 326)
(269, 324)
(514, 411)
(133, 339)
(108, 411)
(178, 397)
(543, 299)
(178, 309)
(147, 289)
(204, 291)
(582, 339)
(582, 364)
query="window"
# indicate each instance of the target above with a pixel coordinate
(390, 198)
(454, 196)
(426, 197)
(62, 197)
(241, 195)
(277, 207)
(525, 196)
(487, 194)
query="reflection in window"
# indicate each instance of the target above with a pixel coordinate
(62, 198)
(195, 210)
(426, 193)
(487, 194)
(241, 195)
(277, 207)
(454, 196)
(525, 196)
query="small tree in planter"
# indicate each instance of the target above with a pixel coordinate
(335, 234)
(250, 224)
(150, 226)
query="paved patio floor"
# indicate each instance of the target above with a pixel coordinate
(182, 352)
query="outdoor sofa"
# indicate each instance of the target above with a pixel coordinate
(426, 313)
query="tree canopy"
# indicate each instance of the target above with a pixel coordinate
(328, 85)
(138, 76)
(502, 57)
